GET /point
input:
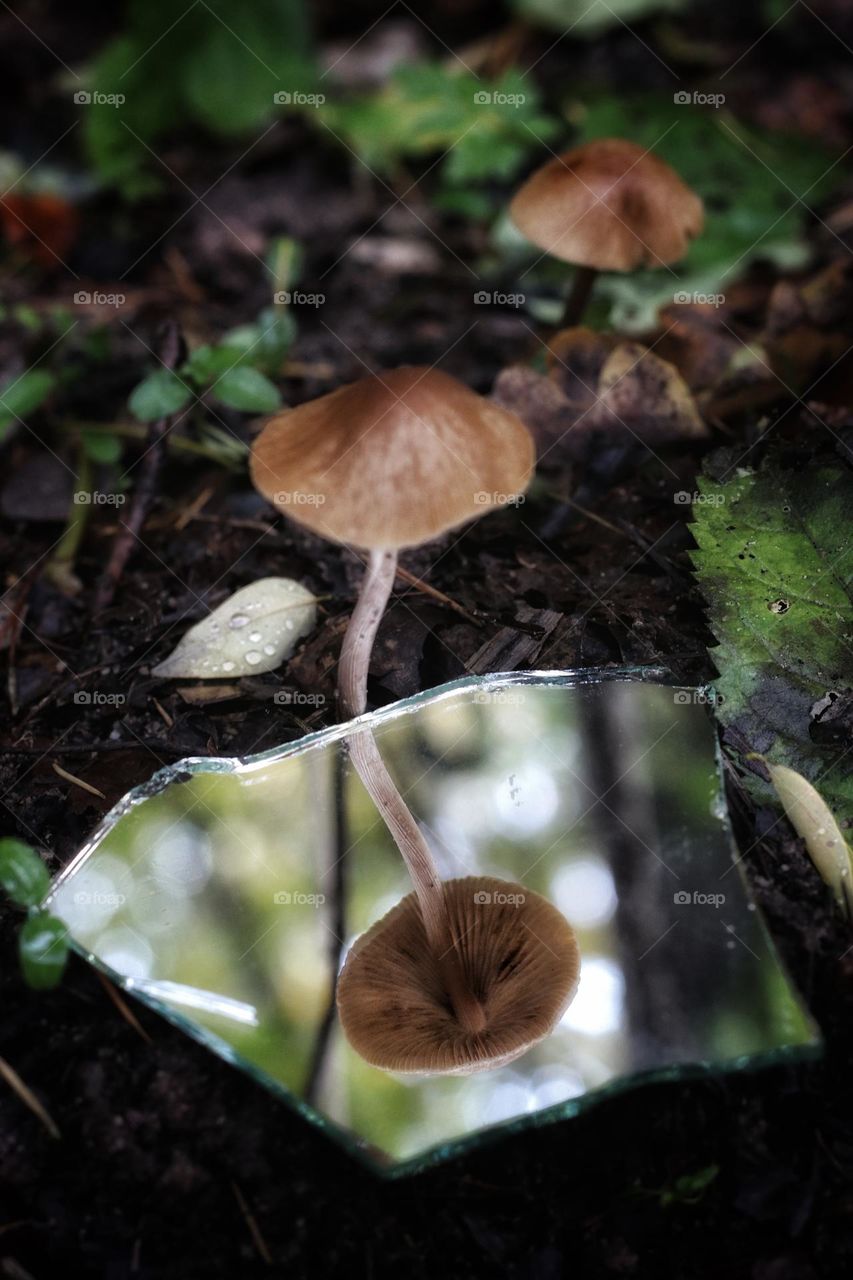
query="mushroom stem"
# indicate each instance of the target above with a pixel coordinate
(380, 786)
(579, 295)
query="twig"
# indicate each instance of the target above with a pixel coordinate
(122, 1006)
(77, 782)
(28, 1098)
(427, 590)
(251, 1223)
(146, 489)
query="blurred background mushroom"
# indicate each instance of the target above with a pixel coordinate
(609, 205)
(392, 461)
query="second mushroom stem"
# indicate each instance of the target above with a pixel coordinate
(368, 763)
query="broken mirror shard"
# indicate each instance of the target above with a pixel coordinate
(218, 895)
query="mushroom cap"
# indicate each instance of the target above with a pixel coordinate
(392, 460)
(609, 204)
(519, 954)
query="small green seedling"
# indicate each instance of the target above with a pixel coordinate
(688, 1189)
(43, 940)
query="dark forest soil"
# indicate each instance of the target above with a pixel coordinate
(170, 1163)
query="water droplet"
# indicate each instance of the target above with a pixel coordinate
(253, 657)
(255, 636)
(269, 650)
(229, 665)
(289, 624)
(238, 620)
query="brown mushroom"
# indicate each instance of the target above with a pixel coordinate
(608, 205)
(388, 462)
(520, 958)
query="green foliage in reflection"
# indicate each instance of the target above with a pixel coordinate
(484, 128)
(215, 64)
(758, 189)
(589, 18)
(775, 565)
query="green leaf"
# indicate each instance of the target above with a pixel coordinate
(22, 873)
(247, 389)
(486, 128)
(265, 343)
(43, 950)
(208, 362)
(775, 565)
(159, 395)
(752, 182)
(101, 446)
(23, 395)
(218, 65)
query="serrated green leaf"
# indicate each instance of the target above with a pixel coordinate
(775, 566)
(23, 395)
(43, 950)
(22, 873)
(247, 389)
(159, 395)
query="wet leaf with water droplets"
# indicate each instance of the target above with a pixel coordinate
(253, 631)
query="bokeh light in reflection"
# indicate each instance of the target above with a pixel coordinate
(585, 893)
(597, 1008)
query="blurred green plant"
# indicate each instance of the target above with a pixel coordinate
(215, 64)
(22, 396)
(43, 940)
(757, 187)
(485, 129)
(686, 1190)
(233, 371)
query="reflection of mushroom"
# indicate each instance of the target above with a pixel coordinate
(609, 205)
(392, 461)
(521, 959)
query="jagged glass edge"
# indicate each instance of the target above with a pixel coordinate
(373, 1158)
